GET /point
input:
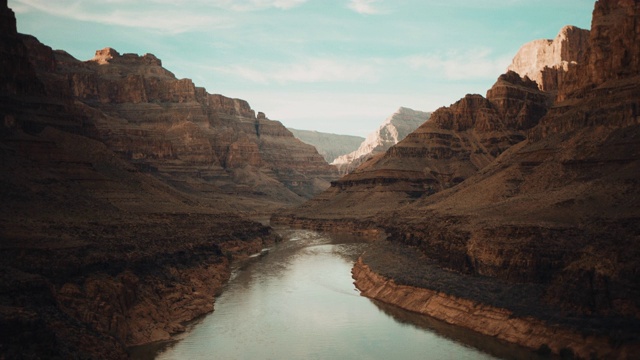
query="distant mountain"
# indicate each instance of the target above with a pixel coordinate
(395, 128)
(328, 145)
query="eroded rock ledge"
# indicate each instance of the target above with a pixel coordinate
(488, 320)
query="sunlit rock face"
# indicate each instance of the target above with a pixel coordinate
(546, 61)
(395, 128)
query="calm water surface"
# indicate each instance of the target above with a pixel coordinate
(299, 302)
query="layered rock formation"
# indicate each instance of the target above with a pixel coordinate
(546, 61)
(395, 128)
(179, 132)
(550, 197)
(166, 127)
(330, 146)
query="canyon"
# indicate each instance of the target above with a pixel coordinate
(127, 193)
(536, 183)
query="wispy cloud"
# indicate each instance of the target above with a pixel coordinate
(366, 7)
(315, 70)
(163, 16)
(253, 5)
(461, 65)
(158, 19)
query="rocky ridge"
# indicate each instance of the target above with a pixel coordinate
(556, 207)
(395, 128)
(330, 146)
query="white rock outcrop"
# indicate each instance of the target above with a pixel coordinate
(557, 55)
(395, 128)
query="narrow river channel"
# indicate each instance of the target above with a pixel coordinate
(298, 301)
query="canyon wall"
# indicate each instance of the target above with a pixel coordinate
(176, 131)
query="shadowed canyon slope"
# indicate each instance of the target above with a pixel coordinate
(523, 186)
(124, 197)
(395, 128)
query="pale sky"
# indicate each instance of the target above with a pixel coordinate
(338, 66)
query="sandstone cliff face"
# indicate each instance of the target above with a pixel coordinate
(330, 146)
(395, 128)
(546, 61)
(178, 132)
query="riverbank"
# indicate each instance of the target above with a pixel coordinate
(73, 288)
(511, 312)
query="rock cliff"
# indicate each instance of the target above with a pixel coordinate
(177, 131)
(330, 146)
(547, 189)
(546, 61)
(395, 128)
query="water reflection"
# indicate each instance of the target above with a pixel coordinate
(299, 302)
(487, 344)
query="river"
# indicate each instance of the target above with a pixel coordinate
(297, 301)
